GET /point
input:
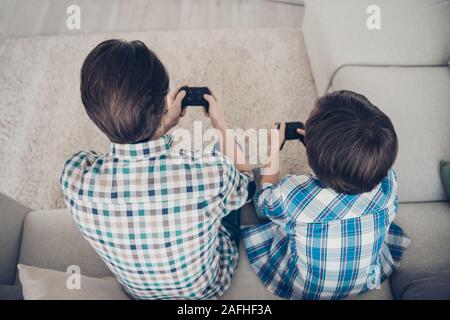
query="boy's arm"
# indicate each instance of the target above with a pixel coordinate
(174, 111)
(228, 146)
(270, 200)
(271, 174)
(238, 188)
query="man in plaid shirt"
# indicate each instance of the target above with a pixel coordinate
(330, 234)
(164, 222)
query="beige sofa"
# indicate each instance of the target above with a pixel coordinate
(402, 68)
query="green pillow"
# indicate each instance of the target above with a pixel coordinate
(445, 176)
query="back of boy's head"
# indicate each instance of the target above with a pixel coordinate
(123, 89)
(351, 144)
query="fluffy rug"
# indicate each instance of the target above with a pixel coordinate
(261, 75)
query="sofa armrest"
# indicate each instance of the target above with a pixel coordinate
(12, 215)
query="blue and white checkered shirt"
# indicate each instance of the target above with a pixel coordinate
(320, 244)
(155, 216)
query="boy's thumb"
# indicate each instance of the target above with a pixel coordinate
(180, 96)
(208, 98)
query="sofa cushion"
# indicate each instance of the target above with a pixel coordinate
(421, 286)
(10, 292)
(418, 102)
(46, 284)
(12, 215)
(445, 177)
(413, 32)
(51, 240)
(428, 225)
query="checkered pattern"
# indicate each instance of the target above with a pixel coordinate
(323, 245)
(155, 216)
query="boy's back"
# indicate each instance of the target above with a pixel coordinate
(330, 234)
(154, 216)
(324, 244)
(164, 221)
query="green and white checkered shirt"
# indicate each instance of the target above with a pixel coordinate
(155, 216)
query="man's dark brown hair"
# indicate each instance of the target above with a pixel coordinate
(351, 144)
(123, 89)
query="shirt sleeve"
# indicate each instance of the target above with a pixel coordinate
(238, 188)
(72, 173)
(271, 200)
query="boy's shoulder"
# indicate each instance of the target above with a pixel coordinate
(301, 182)
(78, 163)
(311, 182)
(306, 189)
(206, 158)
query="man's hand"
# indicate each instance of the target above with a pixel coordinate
(215, 112)
(174, 111)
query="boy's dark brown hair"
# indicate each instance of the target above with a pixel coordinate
(123, 89)
(351, 144)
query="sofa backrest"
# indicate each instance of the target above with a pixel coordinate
(413, 32)
(417, 99)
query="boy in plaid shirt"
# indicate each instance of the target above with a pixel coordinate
(330, 234)
(163, 221)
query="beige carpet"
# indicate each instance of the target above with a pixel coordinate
(261, 75)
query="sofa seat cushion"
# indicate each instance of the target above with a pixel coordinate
(10, 292)
(413, 32)
(428, 226)
(46, 284)
(418, 102)
(421, 286)
(52, 241)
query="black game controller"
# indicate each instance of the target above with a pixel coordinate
(291, 133)
(194, 97)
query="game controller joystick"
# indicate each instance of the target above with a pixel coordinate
(291, 133)
(194, 97)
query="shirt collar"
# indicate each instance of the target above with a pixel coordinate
(147, 149)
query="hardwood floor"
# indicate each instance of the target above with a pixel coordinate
(43, 17)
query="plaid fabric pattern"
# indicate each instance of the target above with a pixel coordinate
(155, 216)
(323, 245)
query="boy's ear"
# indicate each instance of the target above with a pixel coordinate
(159, 133)
(168, 101)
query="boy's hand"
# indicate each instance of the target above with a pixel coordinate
(174, 111)
(215, 111)
(282, 129)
